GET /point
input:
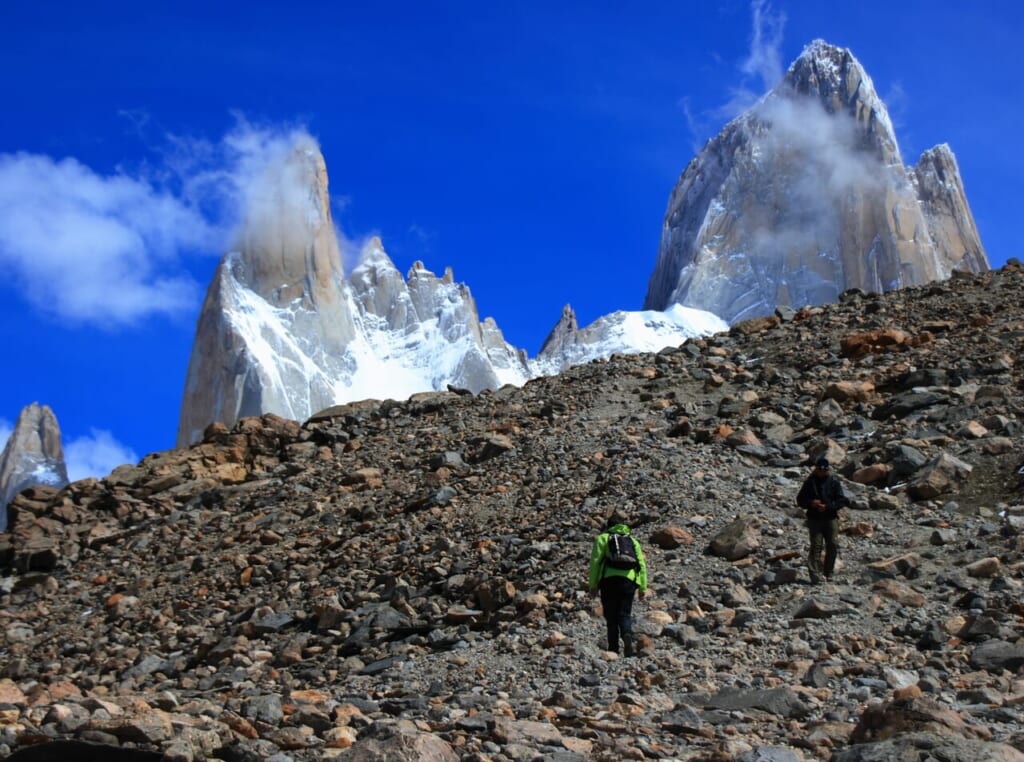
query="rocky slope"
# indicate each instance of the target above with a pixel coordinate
(32, 455)
(405, 580)
(806, 195)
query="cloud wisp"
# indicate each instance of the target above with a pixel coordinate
(113, 250)
(827, 168)
(759, 72)
(763, 63)
(96, 454)
(765, 58)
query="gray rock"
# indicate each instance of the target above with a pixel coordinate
(996, 655)
(737, 540)
(929, 746)
(782, 701)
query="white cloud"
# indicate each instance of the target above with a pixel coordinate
(96, 455)
(94, 248)
(897, 103)
(246, 179)
(110, 250)
(835, 161)
(826, 167)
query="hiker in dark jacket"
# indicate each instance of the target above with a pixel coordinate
(617, 585)
(822, 496)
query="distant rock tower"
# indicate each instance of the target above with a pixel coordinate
(806, 195)
(33, 456)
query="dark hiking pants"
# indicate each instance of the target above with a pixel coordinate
(617, 601)
(824, 531)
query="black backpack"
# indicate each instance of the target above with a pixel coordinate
(621, 552)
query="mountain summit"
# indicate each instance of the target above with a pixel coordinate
(806, 195)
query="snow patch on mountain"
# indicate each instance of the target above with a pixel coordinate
(623, 332)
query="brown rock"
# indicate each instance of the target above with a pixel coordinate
(402, 742)
(370, 478)
(905, 565)
(902, 594)
(869, 342)
(972, 430)
(850, 391)
(668, 538)
(877, 472)
(754, 325)
(985, 567)
(491, 595)
(912, 715)
(10, 693)
(941, 475)
(509, 731)
(742, 437)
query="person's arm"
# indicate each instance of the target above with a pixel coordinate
(805, 497)
(641, 574)
(838, 496)
(597, 561)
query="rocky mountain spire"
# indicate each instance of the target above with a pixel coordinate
(806, 195)
(283, 281)
(563, 332)
(33, 456)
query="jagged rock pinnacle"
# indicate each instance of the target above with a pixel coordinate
(564, 330)
(32, 456)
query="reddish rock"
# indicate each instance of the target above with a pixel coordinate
(671, 537)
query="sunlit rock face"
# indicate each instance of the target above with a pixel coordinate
(32, 456)
(806, 195)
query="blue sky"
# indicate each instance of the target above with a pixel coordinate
(530, 145)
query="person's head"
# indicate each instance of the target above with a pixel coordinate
(614, 519)
(822, 467)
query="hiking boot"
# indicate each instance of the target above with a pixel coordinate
(627, 646)
(815, 578)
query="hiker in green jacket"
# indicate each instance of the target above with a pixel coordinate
(618, 578)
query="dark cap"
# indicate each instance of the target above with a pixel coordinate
(614, 519)
(821, 463)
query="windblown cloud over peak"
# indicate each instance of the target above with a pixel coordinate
(113, 249)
